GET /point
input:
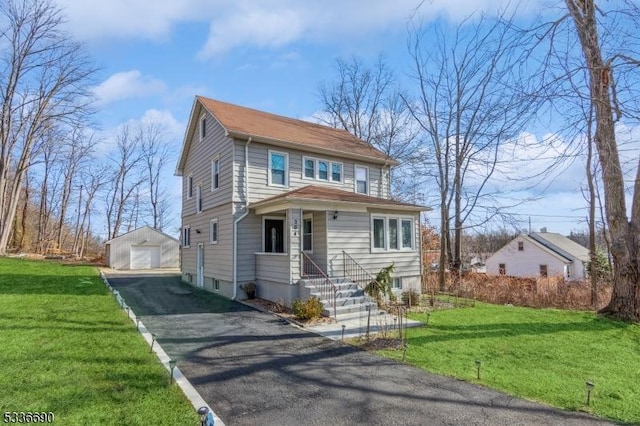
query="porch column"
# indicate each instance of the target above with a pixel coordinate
(295, 240)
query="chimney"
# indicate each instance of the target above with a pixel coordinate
(543, 229)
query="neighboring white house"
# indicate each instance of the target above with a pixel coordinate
(288, 205)
(143, 248)
(540, 254)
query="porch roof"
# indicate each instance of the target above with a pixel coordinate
(315, 197)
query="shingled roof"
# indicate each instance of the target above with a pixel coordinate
(242, 123)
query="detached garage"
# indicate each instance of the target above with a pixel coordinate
(144, 248)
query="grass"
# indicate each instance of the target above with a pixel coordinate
(67, 348)
(545, 355)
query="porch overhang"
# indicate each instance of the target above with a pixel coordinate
(318, 198)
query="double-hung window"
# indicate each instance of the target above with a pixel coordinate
(309, 168)
(203, 128)
(278, 168)
(307, 234)
(186, 236)
(189, 186)
(362, 179)
(215, 173)
(198, 199)
(390, 233)
(325, 170)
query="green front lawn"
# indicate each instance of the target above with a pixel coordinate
(545, 355)
(67, 348)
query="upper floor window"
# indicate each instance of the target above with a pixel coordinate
(215, 173)
(325, 170)
(189, 186)
(213, 231)
(543, 270)
(520, 245)
(198, 199)
(362, 179)
(203, 127)
(502, 269)
(186, 236)
(278, 168)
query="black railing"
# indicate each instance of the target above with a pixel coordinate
(319, 280)
(355, 271)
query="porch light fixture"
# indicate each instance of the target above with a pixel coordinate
(335, 215)
(197, 231)
(590, 387)
(478, 365)
(172, 366)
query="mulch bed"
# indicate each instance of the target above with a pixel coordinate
(283, 311)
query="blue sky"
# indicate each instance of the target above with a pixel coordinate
(155, 56)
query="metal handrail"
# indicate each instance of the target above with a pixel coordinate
(325, 286)
(356, 272)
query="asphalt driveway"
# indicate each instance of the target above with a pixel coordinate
(256, 369)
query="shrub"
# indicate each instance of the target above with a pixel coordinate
(381, 286)
(411, 298)
(308, 309)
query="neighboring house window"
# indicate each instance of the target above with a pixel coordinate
(543, 270)
(502, 269)
(520, 246)
(203, 127)
(307, 234)
(216, 284)
(273, 235)
(189, 186)
(325, 170)
(198, 199)
(362, 179)
(398, 231)
(186, 236)
(215, 173)
(213, 231)
(278, 168)
(397, 283)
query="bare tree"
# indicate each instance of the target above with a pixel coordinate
(126, 178)
(605, 94)
(471, 101)
(44, 78)
(156, 155)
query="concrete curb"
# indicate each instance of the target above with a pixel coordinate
(187, 388)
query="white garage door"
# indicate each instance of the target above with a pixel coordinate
(145, 257)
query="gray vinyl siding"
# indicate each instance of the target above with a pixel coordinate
(120, 248)
(218, 258)
(260, 189)
(351, 232)
(198, 165)
(249, 242)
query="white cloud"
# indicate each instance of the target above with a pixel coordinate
(125, 85)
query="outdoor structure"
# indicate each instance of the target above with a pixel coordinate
(143, 248)
(540, 254)
(295, 207)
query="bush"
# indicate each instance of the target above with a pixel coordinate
(411, 298)
(308, 309)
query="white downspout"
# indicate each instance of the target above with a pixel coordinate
(235, 222)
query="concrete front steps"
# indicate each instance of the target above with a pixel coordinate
(351, 302)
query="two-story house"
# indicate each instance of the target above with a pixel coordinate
(285, 203)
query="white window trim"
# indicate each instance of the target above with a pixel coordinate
(286, 168)
(211, 223)
(316, 169)
(189, 187)
(203, 127)
(355, 179)
(393, 283)
(308, 216)
(213, 162)
(285, 236)
(185, 228)
(199, 199)
(387, 240)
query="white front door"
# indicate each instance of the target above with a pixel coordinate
(200, 266)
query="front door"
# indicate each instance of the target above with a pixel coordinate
(200, 266)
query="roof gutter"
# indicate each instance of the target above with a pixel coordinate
(237, 221)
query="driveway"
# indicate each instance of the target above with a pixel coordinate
(256, 369)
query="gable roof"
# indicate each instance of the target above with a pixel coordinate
(244, 123)
(561, 245)
(138, 229)
(332, 198)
